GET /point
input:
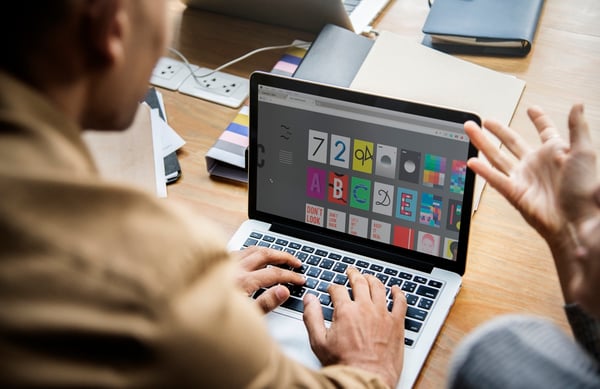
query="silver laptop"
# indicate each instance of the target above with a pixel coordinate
(308, 15)
(340, 178)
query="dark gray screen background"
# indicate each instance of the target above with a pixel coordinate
(284, 132)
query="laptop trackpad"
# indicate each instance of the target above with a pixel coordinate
(291, 335)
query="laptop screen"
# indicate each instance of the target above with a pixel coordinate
(383, 177)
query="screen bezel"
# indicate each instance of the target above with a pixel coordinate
(337, 239)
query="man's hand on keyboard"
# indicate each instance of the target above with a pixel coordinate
(260, 267)
(363, 333)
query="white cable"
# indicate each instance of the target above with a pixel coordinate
(243, 57)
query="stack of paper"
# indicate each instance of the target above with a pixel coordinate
(136, 155)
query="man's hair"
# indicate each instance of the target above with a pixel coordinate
(25, 27)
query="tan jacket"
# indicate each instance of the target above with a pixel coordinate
(104, 286)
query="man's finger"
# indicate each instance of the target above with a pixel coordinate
(314, 322)
(272, 298)
(359, 285)
(499, 181)
(377, 291)
(258, 257)
(491, 151)
(399, 307)
(579, 132)
(542, 122)
(273, 275)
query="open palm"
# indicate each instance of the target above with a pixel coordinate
(542, 178)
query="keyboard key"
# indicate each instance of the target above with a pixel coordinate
(290, 251)
(425, 303)
(348, 260)
(327, 275)
(308, 249)
(311, 283)
(340, 279)
(405, 276)
(427, 291)
(394, 281)
(294, 245)
(376, 268)
(390, 306)
(362, 264)
(391, 272)
(335, 256)
(420, 280)
(415, 313)
(313, 272)
(325, 299)
(409, 286)
(326, 263)
(281, 242)
(313, 260)
(435, 284)
(321, 253)
(277, 247)
(340, 267)
(314, 293)
(302, 269)
(412, 325)
(295, 304)
(301, 255)
(268, 238)
(323, 286)
(411, 299)
(382, 277)
(327, 313)
(250, 242)
(408, 342)
(298, 306)
(263, 244)
(296, 290)
(255, 235)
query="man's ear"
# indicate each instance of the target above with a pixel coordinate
(104, 26)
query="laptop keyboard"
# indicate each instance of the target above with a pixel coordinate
(322, 267)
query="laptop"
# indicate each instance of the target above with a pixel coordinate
(342, 178)
(307, 15)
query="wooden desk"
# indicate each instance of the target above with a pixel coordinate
(509, 267)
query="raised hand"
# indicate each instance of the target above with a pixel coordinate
(555, 187)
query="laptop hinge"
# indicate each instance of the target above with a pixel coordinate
(346, 245)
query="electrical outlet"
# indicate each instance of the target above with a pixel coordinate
(218, 87)
(170, 74)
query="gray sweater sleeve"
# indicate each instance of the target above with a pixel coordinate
(586, 329)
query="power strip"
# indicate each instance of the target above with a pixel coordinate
(170, 74)
(219, 87)
(222, 88)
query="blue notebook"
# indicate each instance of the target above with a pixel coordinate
(494, 27)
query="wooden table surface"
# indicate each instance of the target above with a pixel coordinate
(509, 268)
